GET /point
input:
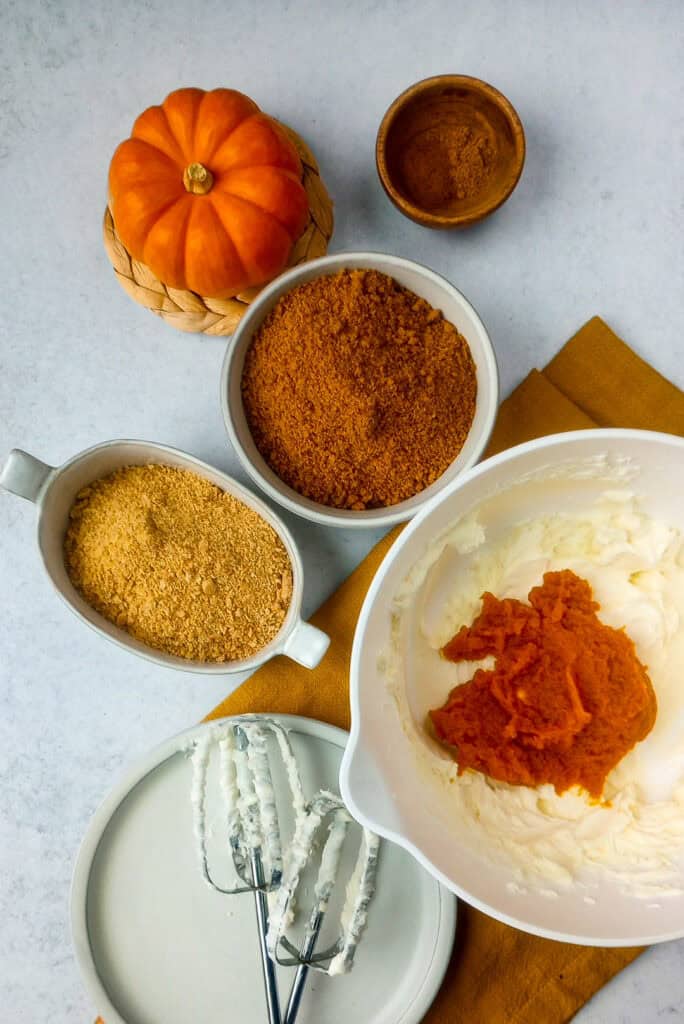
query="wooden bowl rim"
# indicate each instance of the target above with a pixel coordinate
(403, 100)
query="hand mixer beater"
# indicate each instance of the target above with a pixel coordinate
(250, 812)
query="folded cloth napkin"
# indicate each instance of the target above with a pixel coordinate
(497, 974)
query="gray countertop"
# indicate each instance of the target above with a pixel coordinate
(595, 226)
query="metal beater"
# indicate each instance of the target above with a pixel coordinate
(254, 838)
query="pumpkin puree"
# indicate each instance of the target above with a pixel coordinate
(567, 697)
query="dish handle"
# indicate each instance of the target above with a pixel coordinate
(25, 475)
(306, 644)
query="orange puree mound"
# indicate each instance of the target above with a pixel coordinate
(566, 699)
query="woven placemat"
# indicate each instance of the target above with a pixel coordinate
(198, 314)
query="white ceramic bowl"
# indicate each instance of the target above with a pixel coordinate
(379, 781)
(54, 490)
(440, 294)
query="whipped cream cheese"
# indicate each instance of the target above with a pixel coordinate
(635, 565)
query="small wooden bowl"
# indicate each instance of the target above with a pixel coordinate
(424, 122)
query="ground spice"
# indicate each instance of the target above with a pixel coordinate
(178, 563)
(447, 163)
(566, 699)
(357, 392)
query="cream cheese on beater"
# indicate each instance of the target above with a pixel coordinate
(251, 815)
(360, 890)
(635, 565)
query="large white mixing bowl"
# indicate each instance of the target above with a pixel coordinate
(379, 778)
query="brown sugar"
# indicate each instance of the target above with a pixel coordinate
(181, 565)
(357, 392)
(566, 699)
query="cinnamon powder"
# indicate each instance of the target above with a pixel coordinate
(446, 163)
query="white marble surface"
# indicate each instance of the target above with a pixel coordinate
(594, 227)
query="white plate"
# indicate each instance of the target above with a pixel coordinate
(379, 779)
(157, 946)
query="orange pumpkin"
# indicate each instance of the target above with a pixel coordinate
(207, 192)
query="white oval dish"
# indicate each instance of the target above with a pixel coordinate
(380, 780)
(54, 490)
(440, 294)
(157, 946)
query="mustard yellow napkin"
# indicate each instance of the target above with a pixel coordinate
(497, 975)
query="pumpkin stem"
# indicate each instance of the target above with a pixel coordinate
(197, 179)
